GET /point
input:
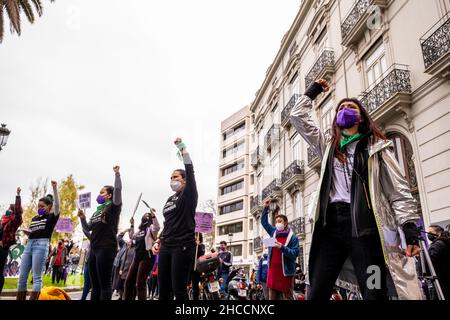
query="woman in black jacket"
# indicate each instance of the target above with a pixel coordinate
(177, 251)
(103, 227)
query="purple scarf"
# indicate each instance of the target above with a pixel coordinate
(283, 233)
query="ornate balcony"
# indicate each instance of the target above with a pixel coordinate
(256, 158)
(390, 94)
(322, 68)
(272, 190)
(313, 159)
(272, 137)
(298, 227)
(258, 245)
(436, 48)
(285, 114)
(255, 205)
(356, 22)
(293, 175)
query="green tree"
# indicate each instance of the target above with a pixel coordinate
(13, 9)
(68, 192)
(38, 191)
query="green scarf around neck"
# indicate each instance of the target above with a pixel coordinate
(347, 139)
(100, 208)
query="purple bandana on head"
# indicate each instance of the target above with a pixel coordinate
(347, 118)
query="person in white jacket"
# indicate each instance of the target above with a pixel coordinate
(143, 239)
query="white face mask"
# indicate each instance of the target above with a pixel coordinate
(175, 185)
(279, 226)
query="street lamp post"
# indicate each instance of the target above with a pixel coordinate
(4, 134)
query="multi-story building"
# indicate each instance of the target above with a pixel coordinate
(392, 54)
(234, 223)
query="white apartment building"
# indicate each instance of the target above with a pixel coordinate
(234, 223)
(392, 54)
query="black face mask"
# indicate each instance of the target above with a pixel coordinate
(431, 237)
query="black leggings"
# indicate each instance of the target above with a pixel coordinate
(174, 270)
(332, 246)
(3, 259)
(100, 269)
(195, 278)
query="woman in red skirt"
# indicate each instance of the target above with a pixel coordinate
(282, 257)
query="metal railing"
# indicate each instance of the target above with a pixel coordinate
(257, 244)
(274, 186)
(296, 167)
(255, 202)
(272, 136)
(285, 114)
(354, 16)
(256, 157)
(326, 59)
(298, 226)
(312, 155)
(395, 80)
(436, 42)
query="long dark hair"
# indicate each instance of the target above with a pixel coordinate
(106, 209)
(368, 125)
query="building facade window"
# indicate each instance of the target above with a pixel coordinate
(233, 150)
(298, 199)
(230, 228)
(236, 206)
(233, 187)
(250, 225)
(229, 133)
(328, 114)
(375, 64)
(250, 248)
(296, 148)
(236, 250)
(233, 168)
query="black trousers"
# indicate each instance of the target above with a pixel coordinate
(195, 278)
(174, 270)
(136, 282)
(100, 269)
(3, 260)
(57, 274)
(331, 247)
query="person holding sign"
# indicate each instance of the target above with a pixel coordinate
(11, 221)
(104, 228)
(282, 255)
(143, 259)
(177, 251)
(36, 251)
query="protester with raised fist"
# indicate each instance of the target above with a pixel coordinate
(103, 227)
(144, 258)
(363, 201)
(177, 248)
(36, 251)
(11, 221)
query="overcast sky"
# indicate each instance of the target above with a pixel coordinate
(102, 82)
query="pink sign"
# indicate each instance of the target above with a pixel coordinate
(64, 225)
(203, 222)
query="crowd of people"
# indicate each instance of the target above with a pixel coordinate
(363, 210)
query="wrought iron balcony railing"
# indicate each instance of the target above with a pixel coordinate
(356, 21)
(313, 157)
(256, 157)
(324, 64)
(271, 189)
(257, 244)
(255, 203)
(285, 114)
(271, 137)
(298, 227)
(395, 80)
(295, 168)
(436, 42)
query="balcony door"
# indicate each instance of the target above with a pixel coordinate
(375, 64)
